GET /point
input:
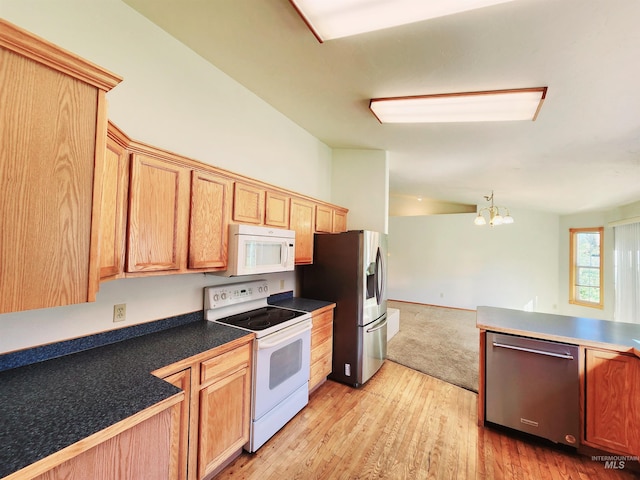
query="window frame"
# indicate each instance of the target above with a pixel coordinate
(573, 267)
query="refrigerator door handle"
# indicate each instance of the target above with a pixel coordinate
(374, 329)
(379, 277)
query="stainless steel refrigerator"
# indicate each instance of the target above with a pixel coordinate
(350, 269)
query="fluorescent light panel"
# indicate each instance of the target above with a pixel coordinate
(329, 19)
(493, 106)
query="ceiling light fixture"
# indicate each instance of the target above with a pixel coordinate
(330, 19)
(489, 106)
(495, 218)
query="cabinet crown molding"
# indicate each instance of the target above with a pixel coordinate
(40, 50)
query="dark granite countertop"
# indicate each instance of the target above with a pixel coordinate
(47, 406)
(297, 303)
(589, 332)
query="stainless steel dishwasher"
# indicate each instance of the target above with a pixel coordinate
(533, 386)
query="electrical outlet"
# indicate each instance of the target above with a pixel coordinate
(120, 312)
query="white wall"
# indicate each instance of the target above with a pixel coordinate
(360, 182)
(584, 220)
(447, 260)
(147, 299)
(171, 98)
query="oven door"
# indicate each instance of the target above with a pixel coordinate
(281, 366)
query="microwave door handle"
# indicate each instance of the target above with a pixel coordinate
(286, 253)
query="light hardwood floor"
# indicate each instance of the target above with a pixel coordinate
(403, 425)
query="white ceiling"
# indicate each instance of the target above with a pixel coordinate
(581, 154)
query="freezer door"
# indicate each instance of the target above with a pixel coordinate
(374, 348)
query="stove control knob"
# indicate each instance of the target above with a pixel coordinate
(266, 287)
(224, 295)
(216, 297)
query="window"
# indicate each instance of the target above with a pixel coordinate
(585, 274)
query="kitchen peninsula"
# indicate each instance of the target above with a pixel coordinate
(608, 370)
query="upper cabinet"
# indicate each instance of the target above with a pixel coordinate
(209, 225)
(54, 130)
(248, 203)
(302, 216)
(339, 220)
(330, 219)
(115, 189)
(324, 219)
(158, 215)
(82, 203)
(276, 209)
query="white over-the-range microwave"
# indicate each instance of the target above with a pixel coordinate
(257, 250)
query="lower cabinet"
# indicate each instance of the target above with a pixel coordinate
(212, 424)
(180, 427)
(140, 452)
(612, 401)
(225, 408)
(321, 346)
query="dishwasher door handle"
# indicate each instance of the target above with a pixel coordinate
(566, 356)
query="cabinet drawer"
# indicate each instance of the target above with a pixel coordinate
(323, 319)
(319, 371)
(322, 334)
(225, 364)
(323, 348)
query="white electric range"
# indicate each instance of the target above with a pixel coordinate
(281, 354)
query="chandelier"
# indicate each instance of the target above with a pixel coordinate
(495, 217)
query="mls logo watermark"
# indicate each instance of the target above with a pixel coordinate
(614, 462)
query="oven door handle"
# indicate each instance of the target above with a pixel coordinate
(293, 332)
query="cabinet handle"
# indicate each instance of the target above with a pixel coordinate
(565, 356)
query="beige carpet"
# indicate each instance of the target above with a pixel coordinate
(441, 342)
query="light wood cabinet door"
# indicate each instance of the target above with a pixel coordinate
(210, 205)
(225, 408)
(113, 224)
(321, 347)
(302, 222)
(53, 137)
(339, 221)
(613, 401)
(324, 219)
(248, 203)
(276, 212)
(140, 452)
(158, 215)
(179, 452)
